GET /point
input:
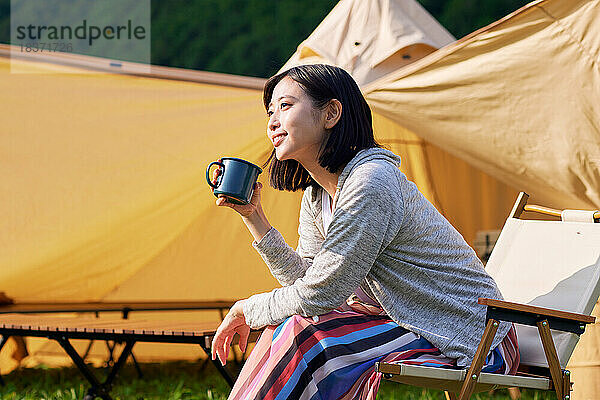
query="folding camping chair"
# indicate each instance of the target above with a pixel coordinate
(548, 272)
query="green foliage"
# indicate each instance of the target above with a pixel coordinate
(173, 381)
(255, 37)
(180, 381)
(461, 17)
(4, 21)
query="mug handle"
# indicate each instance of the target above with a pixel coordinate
(208, 172)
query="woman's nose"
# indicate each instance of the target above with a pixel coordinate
(273, 123)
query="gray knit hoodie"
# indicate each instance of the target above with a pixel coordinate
(387, 238)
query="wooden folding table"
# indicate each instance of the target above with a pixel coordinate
(64, 329)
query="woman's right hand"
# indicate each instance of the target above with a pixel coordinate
(245, 210)
(252, 213)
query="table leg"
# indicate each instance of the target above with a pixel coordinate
(206, 347)
(98, 389)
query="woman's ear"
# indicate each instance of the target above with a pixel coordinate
(333, 113)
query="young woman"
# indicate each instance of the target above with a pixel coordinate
(378, 275)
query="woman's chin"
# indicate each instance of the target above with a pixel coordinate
(281, 155)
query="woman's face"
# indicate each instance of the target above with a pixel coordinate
(296, 128)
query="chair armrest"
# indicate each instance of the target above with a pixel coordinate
(531, 315)
(526, 308)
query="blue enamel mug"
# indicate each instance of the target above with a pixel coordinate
(236, 181)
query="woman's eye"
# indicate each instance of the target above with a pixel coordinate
(281, 106)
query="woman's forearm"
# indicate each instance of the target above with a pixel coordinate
(257, 224)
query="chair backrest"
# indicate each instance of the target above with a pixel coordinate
(553, 264)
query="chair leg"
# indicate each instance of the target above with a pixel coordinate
(480, 355)
(514, 393)
(450, 396)
(566, 384)
(552, 358)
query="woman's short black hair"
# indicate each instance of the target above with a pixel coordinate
(352, 133)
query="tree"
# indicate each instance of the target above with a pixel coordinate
(256, 37)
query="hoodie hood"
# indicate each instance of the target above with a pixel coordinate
(366, 155)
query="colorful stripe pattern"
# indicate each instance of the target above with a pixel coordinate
(332, 357)
(505, 358)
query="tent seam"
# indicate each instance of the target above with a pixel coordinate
(567, 32)
(430, 177)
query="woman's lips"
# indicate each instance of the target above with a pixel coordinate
(277, 140)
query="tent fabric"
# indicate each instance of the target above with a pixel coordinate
(371, 38)
(60, 63)
(103, 176)
(517, 100)
(104, 194)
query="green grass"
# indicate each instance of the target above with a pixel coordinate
(175, 381)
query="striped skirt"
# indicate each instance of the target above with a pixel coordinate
(333, 356)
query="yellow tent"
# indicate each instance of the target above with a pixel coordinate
(517, 99)
(103, 189)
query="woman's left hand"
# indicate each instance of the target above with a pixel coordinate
(234, 322)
